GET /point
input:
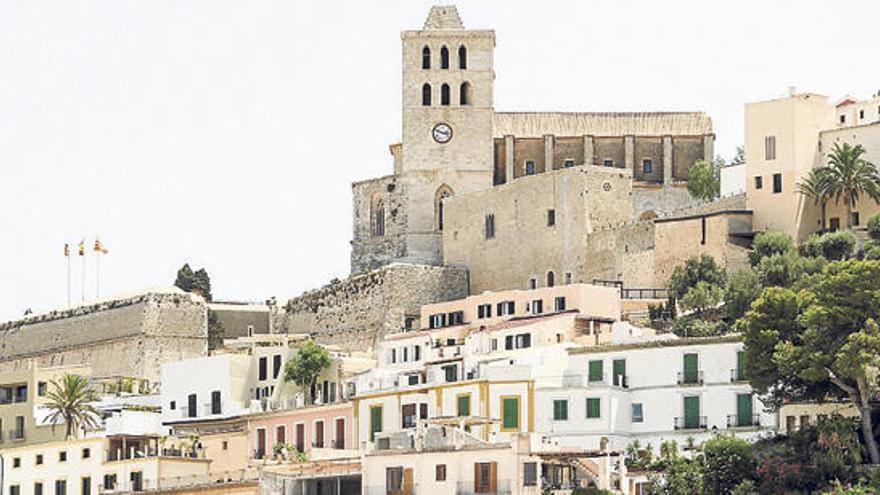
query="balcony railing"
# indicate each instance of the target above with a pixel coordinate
(738, 375)
(691, 423)
(690, 378)
(747, 421)
(502, 487)
(621, 381)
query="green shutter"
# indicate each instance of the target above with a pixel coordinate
(744, 410)
(691, 412)
(464, 405)
(510, 413)
(375, 421)
(690, 368)
(595, 371)
(593, 408)
(618, 369)
(741, 365)
(560, 410)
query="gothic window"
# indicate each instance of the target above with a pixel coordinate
(464, 93)
(426, 95)
(442, 193)
(426, 58)
(444, 58)
(444, 94)
(378, 217)
(462, 57)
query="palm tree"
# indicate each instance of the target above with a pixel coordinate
(70, 400)
(815, 186)
(851, 176)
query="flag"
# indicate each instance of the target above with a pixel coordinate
(66, 249)
(99, 247)
(82, 247)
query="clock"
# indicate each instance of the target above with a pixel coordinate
(442, 133)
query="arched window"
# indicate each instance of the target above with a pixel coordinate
(444, 94)
(462, 57)
(426, 95)
(377, 212)
(464, 94)
(444, 58)
(551, 279)
(442, 193)
(426, 58)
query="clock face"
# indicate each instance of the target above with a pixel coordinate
(442, 133)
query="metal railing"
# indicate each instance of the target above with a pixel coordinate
(747, 421)
(738, 375)
(644, 293)
(691, 423)
(690, 378)
(621, 381)
(502, 487)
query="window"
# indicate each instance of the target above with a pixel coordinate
(375, 421)
(523, 341)
(109, 482)
(464, 94)
(276, 365)
(490, 226)
(759, 182)
(38, 488)
(440, 472)
(405, 354)
(593, 408)
(533, 283)
(595, 372)
(444, 58)
(225, 445)
(559, 304)
(484, 311)
(215, 402)
(777, 183)
(551, 217)
(21, 393)
(444, 94)
(703, 230)
(530, 167)
(647, 166)
(834, 223)
(843, 119)
(86, 485)
(770, 147)
(456, 318)
(417, 353)
(393, 356)
(450, 373)
(86, 453)
(510, 413)
(60, 487)
(494, 344)
(264, 368)
(462, 57)
(463, 405)
(568, 163)
(250, 330)
(538, 305)
(861, 114)
(567, 278)
(505, 308)
(560, 410)
(426, 95)
(618, 373)
(137, 481)
(42, 388)
(690, 363)
(608, 162)
(413, 380)
(426, 58)
(440, 196)
(378, 213)
(62, 456)
(319, 434)
(39, 460)
(16, 462)
(855, 218)
(172, 405)
(14, 490)
(191, 410)
(394, 480)
(637, 414)
(530, 474)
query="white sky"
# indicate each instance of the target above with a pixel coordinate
(227, 133)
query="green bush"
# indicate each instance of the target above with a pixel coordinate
(833, 246)
(702, 297)
(769, 243)
(694, 270)
(728, 461)
(693, 326)
(743, 287)
(874, 227)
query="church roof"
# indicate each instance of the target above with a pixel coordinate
(537, 124)
(443, 17)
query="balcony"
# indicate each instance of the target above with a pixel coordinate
(690, 378)
(738, 375)
(747, 421)
(621, 381)
(691, 423)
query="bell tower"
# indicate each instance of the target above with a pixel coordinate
(448, 109)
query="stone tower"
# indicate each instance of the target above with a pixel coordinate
(447, 144)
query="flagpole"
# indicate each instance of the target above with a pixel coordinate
(98, 275)
(83, 291)
(68, 276)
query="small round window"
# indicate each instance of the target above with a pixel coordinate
(606, 186)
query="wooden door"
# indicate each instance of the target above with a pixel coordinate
(319, 434)
(261, 444)
(407, 482)
(301, 437)
(340, 433)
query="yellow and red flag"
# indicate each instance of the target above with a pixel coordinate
(82, 247)
(66, 249)
(99, 247)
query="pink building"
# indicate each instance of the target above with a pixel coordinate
(322, 432)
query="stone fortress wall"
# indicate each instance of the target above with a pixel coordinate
(355, 312)
(128, 337)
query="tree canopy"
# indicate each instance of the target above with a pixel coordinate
(70, 400)
(194, 281)
(307, 365)
(702, 182)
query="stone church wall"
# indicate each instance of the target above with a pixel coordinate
(355, 312)
(129, 337)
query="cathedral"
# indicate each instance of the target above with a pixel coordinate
(471, 185)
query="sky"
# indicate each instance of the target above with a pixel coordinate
(226, 134)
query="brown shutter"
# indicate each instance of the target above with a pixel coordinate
(477, 478)
(407, 481)
(493, 477)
